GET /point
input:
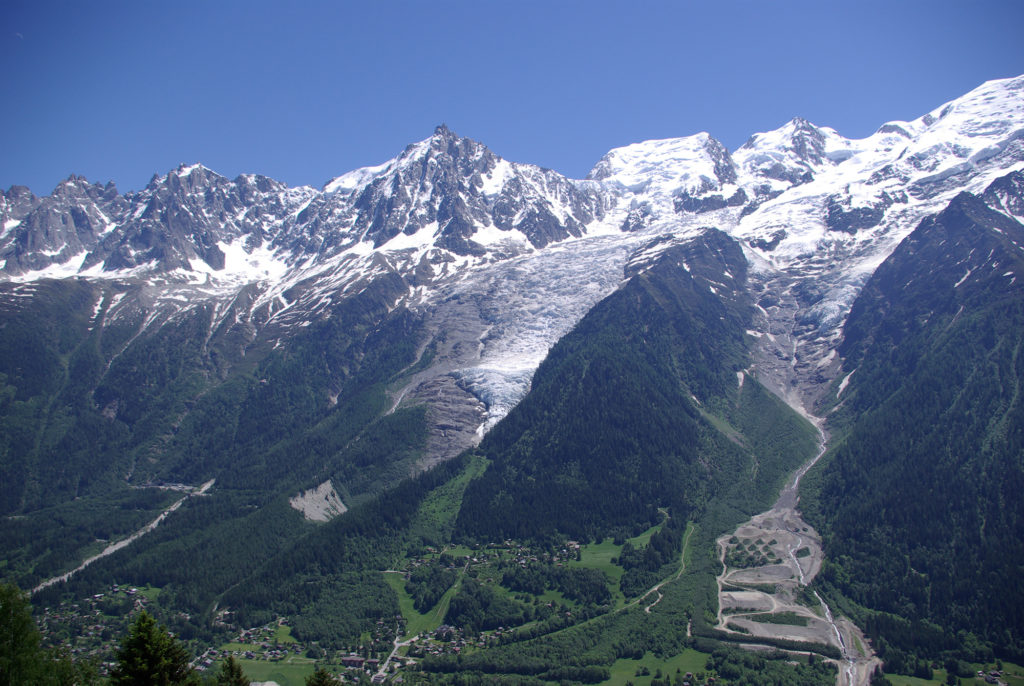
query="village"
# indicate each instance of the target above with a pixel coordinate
(91, 629)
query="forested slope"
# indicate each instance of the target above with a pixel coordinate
(639, 407)
(919, 502)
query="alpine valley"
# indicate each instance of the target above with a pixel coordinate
(752, 416)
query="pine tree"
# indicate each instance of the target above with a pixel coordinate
(20, 656)
(22, 659)
(321, 677)
(231, 674)
(149, 656)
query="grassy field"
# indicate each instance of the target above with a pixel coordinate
(1013, 675)
(416, 623)
(283, 634)
(436, 517)
(645, 538)
(899, 680)
(687, 537)
(626, 669)
(292, 672)
(599, 556)
(151, 593)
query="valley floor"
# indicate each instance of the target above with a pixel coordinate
(767, 564)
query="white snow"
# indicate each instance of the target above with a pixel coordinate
(495, 180)
(357, 178)
(423, 238)
(489, 235)
(844, 383)
(659, 166)
(54, 271)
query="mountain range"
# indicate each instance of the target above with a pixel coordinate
(558, 358)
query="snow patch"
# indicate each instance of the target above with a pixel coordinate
(495, 181)
(424, 238)
(843, 384)
(63, 270)
(490, 235)
(352, 180)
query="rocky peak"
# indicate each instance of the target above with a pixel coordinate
(15, 203)
(807, 141)
(1006, 194)
(59, 227)
(792, 154)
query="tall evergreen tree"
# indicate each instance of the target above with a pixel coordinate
(149, 656)
(321, 677)
(22, 659)
(231, 673)
(20, 656)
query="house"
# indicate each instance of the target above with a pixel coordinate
(353, 661)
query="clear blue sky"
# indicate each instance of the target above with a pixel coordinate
(304, 91)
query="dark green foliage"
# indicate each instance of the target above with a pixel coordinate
(84, 406)
(611, 430)
(231, 673)
(328, 580)
(742, 668)
(149, 656)
(20, 654)
(587, 586)
(428, 583)
(41, 544)
(43, 342)
(321, 677)
(789, 618)
(479, 607)
(22, 660)
(919, 504)
(643, 566)
(635, 414)
(265, 430)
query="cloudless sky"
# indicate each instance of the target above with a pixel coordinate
(303, 91)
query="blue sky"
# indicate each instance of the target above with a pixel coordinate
(304, 91)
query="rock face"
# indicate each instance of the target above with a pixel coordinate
(59, 228)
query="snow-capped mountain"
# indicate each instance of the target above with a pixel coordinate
(500, 259)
